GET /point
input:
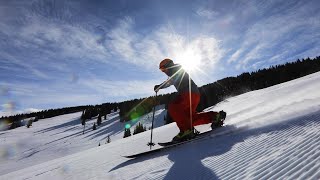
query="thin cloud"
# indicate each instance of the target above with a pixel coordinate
(276, 37)
(235, 56)
(45, 41)
(68, 40)
(206, 13)
(121, 90)
(161, 43)
(29, 67)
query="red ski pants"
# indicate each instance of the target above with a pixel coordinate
(183, 111)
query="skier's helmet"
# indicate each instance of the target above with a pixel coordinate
(166, 63)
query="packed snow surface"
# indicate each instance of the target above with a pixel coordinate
(271, 133)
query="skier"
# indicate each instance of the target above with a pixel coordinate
(183, 108)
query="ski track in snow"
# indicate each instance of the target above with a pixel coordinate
(271, 133)
(285, 151)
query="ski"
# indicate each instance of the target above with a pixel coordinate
(168, 145)
(199, 136)
(144, 153)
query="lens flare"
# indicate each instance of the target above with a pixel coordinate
(9, 106)
(127, 126)
(134, 116)
(4, 125)
(65, 169)
(8, 152)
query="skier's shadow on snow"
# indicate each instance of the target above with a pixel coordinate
(190, 163)
(187, 162)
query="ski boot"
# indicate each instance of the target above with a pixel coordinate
(185, 135)
(218, 120)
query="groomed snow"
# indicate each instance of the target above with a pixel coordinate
(271, 133)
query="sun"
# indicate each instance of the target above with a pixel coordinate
(189, 59)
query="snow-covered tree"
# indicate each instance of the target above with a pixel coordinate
(29, 123)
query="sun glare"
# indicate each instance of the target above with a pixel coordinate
(189, 59)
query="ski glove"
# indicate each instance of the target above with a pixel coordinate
(156, 88)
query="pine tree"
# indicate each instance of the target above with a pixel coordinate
(94, 126)
(99, 120)
(83, 122)
(108, 139)
(139, 129)
(127, 133)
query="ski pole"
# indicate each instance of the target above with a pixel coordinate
(154, 110)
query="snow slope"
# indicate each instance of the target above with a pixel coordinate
(270, 134)
(59, 136)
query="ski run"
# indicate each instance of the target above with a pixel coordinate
(271, 133)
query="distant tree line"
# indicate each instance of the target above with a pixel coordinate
(16, 120)
(97, 111)
(216, 92)
(211, 94)
(88, 112)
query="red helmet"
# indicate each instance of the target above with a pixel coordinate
(165, 63)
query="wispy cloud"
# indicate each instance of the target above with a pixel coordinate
(57, 41)
(21, 63)
(161, 43)
(120, 90)
(65, 40)
(278, 37)
(206, 13)
(42, 41)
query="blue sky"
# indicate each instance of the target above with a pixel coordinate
(57, 54)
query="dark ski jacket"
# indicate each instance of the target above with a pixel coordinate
(180, 79)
